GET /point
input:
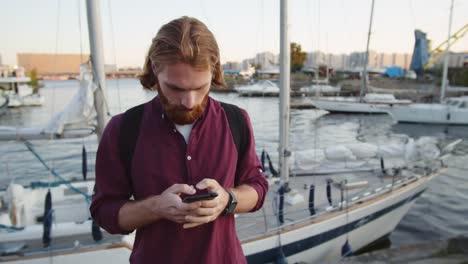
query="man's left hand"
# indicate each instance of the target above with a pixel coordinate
(209, 209)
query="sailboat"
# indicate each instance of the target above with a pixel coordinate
(344, 212)
(23, 221)
(16, 87)
(450, 111)
(372, 103)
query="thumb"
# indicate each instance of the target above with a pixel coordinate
(181, 188)
(209, 184)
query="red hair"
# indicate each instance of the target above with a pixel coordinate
(183, 40)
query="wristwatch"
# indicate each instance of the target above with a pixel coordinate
(231, 205)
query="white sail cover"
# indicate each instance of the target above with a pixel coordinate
(78, 119)
(80, 110)
(420, 153)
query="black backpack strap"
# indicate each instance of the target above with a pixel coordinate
(129, 132)
(238, 127)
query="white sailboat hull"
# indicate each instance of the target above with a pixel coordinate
(371, 103)
(429, 113)
(365, 225)
(349, 106)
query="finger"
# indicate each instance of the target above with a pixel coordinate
(198, 219)
(181, 188)
(203, 212)
(209, 184)
(189, 206)
(209, 203)
(190, 225)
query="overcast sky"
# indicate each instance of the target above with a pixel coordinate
(242, 27)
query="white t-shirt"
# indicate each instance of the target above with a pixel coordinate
(185, 131)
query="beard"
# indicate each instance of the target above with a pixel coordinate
(181, 115)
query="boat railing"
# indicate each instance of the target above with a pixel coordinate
(357, 199)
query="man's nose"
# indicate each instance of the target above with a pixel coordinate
(188, 101)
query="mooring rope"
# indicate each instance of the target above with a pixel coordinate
(55, 174)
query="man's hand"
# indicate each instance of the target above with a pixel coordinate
(169, 205)
(209, 209)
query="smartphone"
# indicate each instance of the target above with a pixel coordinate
(199, 197)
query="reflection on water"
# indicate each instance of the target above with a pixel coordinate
(439, 213)
(439, 131)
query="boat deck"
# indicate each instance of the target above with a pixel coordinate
(266, 221)
(59, 246)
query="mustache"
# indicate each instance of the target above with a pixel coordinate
(180, 114)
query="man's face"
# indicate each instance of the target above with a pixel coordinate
(184, 92)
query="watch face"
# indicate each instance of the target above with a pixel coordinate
(231, 206)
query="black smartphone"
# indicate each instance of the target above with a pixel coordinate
(199, 197)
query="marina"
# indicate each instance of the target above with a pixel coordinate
(446, 220)
(341, 179)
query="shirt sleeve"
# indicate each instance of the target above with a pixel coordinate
(112, 186)
(250, 171)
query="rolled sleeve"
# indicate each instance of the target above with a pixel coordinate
(250, 171)
(112, 186)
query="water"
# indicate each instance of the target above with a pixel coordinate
(439, 213)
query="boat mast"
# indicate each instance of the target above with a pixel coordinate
(97, 61)
(366, 57)
(446, 58)
(285, 69)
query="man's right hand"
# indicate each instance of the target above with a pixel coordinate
(169, 205)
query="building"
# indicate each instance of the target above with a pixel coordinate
(346, 62)
(266, 60)
(456, 60)
(232, 65)
(314, 58)
(51, 64)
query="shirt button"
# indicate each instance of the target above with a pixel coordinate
(189, 158)
(175, 130)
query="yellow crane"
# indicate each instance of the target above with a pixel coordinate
(439, 50)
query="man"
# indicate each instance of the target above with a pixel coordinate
(185, 146)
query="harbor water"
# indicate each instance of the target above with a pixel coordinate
(439, 213)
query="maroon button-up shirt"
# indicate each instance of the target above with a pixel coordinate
(161, 159)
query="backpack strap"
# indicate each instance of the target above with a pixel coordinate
(129, 132)
(238, 127)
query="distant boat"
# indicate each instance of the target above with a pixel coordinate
(18, 91)
(370, 103)
(319, 89)
(453, 111)
(260, 88)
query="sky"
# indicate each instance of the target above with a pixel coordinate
(242, 28)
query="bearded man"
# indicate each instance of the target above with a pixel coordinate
(184, 146)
